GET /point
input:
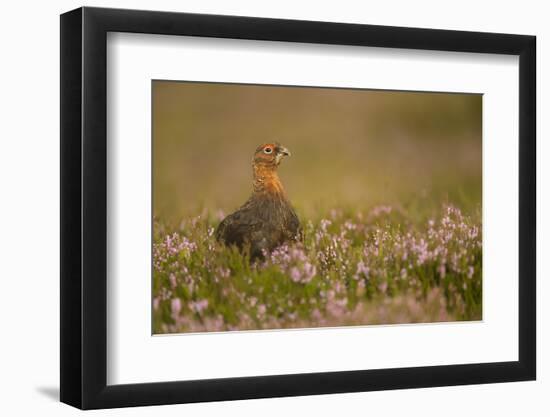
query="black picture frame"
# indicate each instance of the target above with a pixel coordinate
(84, 207)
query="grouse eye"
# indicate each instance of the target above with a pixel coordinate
(268, 150)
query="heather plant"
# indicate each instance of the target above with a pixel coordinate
(381, 266)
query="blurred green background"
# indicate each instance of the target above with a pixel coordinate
(350, 148)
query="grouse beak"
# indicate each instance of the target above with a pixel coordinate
(283, 151)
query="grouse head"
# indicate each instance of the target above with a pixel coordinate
(264, 164)
(270, 155)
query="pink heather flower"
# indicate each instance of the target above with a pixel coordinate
(295, 274)
(470, 272)
(316, 314)
(421, 250)
(335, 309)
(261, 309)
(172, 278)
(309, 272)
(176, 306)
(223, 272)
(362, 269)
(348, 225)
(343, 302)
(378, 210)
(198, 306)
(339, 287)
(174, 244)
(324, 224)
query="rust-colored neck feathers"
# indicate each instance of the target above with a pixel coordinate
(266, 180)
(264, 164)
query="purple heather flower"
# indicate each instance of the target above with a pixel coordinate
(172, 278)
(362, 269)
(295, 274)
(324, 224)
(176, 307)
(198, 306)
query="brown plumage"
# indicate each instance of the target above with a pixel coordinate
(267, 219)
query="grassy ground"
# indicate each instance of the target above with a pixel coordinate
(384, 265)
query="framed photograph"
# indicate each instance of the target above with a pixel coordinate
(257, 208)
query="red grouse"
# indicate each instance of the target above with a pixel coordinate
(267, 219)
